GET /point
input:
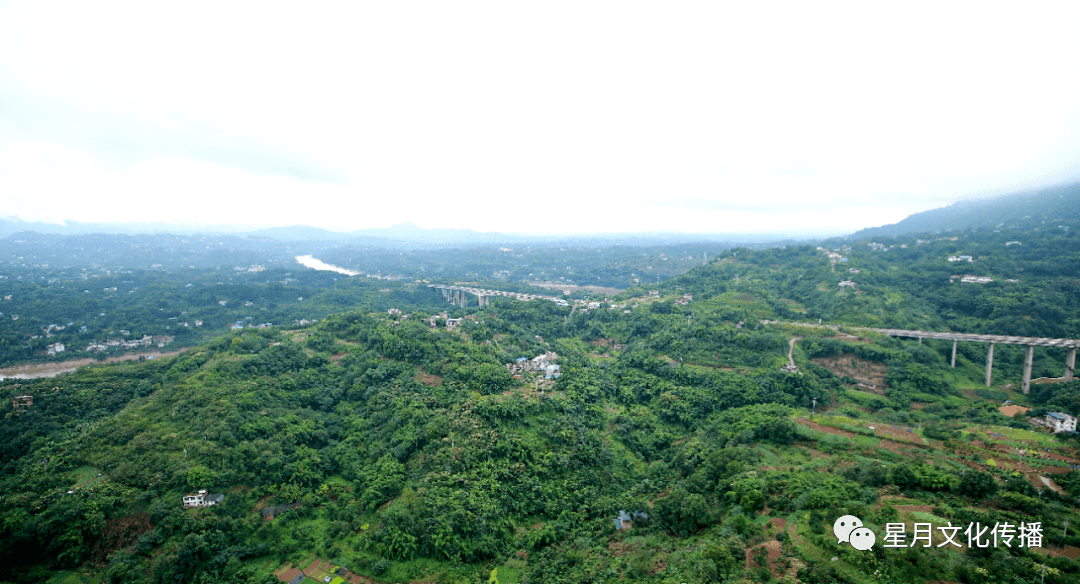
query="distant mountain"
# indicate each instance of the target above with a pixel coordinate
(1025, 210)
(404, 235)
(12, 225)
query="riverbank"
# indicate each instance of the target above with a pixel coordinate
(37, 370)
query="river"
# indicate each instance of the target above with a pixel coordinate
(310, 262)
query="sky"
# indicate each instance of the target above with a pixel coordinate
(800, 118)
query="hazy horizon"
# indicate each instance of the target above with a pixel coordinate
(558, 120)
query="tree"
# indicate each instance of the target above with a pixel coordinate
(978, 484)
(199, 477)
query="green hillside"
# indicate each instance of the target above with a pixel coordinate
(415, 455)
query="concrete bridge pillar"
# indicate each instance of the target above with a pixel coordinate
(954, 354)
(1026, 385)
(1070, 362)
(989, 363)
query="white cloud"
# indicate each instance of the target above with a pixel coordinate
(557, 117)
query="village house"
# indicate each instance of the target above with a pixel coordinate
(433, 319)
(847, 284)
(1060, 422)
(625, 520)
(539, 364)
(201, 498)
(55, 348)
(21, 402)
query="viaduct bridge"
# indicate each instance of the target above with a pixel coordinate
(459, 295)
(1030, 342)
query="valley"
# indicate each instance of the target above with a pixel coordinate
(706, 428)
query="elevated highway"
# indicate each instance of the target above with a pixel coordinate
(991, 340)
(459, 295)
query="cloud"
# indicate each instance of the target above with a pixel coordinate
(126, 137)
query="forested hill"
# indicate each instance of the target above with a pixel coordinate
(406, 450)
(1058, 205)
(1031, 284)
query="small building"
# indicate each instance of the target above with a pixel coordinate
(269, 513)
(21, 402)
(393, 311)
(847, 284)
(1061, 422)
(626, 520)
(654, 293)
(452, 323)
(55, 348)
(201, 498)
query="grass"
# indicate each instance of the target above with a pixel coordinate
(508, 575)
(72, 578)
(84, 474)
(924, 517)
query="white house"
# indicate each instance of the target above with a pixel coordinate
(1059, 422)
(201, 498)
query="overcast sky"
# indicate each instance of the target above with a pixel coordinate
(540, 117)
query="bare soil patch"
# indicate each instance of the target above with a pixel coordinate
(898, 435)
(868, 372)
(773, 549)
(1012, 410)
(894, 447)
(922, 508)
(427, 379)
(826, 429)
(119, 533)
(1053, 456)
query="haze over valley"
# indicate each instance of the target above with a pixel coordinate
(595, 293)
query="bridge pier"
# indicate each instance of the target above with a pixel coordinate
(1026, 385)
(1070, 363)
(989, 363)
(954, 353)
